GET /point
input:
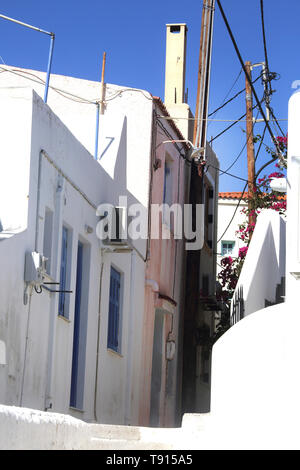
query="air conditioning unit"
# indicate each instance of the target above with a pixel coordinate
(35, 268)
(117, 231)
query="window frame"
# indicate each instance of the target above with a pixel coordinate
(64, 276)
(114, 324)
(223, 242)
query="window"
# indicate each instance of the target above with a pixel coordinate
(62, 304)
(47, 242)
(227, 248)
(209, 217)
(113, 335)
(168, 196)
(205, 285)
(168, 191)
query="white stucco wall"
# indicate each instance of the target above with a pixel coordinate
(125, 107)
(264, 266)
(293, 214)
(256, 382)
(72, 193)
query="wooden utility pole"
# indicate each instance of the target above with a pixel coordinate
(250, 144)
(200, 126)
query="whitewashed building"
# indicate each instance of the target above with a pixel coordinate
(105, 337)
(78, 351)
(230, 216)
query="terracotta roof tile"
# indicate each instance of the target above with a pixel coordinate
(237, 195)
(232, 195)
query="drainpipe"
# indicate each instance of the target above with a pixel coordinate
(128, 417)
(38, 202)
(53, 305)
(98, 338)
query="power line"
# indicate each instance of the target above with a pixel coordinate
(243, 192)
(76, 98)
(229, 127)
(231, 99)
(241, 152)
(265, 44)
(239, 74)
(246, 73)
(276, 121)
(237, 206)
(261, 142)
(175, 118)
(229, 174)
(269, 78)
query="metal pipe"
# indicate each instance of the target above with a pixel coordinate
(97, 130)
(49, 67)
(98, 106)
(36, 243)
(50, 52)
(25, 24)
(102, 82)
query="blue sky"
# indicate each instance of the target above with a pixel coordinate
(133, 36)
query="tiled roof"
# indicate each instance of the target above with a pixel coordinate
(232, 195)
(237, 195)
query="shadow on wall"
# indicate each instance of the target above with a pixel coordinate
(263, 285)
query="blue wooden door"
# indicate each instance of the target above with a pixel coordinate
(76, 338)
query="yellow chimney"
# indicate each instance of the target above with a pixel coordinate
(175, 64)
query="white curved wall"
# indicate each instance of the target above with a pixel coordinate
(256, 381)
(264, 266)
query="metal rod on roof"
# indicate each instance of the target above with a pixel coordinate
(100, 106)
(97, 131)
(49, 67)
(102, 82)
(25, 24)
(52, 35)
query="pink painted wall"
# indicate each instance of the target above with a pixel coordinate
(166, 266)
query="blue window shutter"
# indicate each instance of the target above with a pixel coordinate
(63, 271)
(114, 310)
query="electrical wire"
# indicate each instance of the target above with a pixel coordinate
(67, 94)
(40, 81)
(239, 74)
(269, 76)
(265, 44)
(229, 127)
(241, 152)
(276, 121)
(247, 75)
(229, 174)
(261, 142)
(237, 206)
(160, 124)
(243, 192)
(232, 98)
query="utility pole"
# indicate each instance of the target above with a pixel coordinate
(207, 24)
(250, 144)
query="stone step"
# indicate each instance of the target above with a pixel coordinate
(118, 432)
(125, 444)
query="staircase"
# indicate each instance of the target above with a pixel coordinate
(280, 294)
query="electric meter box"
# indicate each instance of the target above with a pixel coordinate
(34, 268)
